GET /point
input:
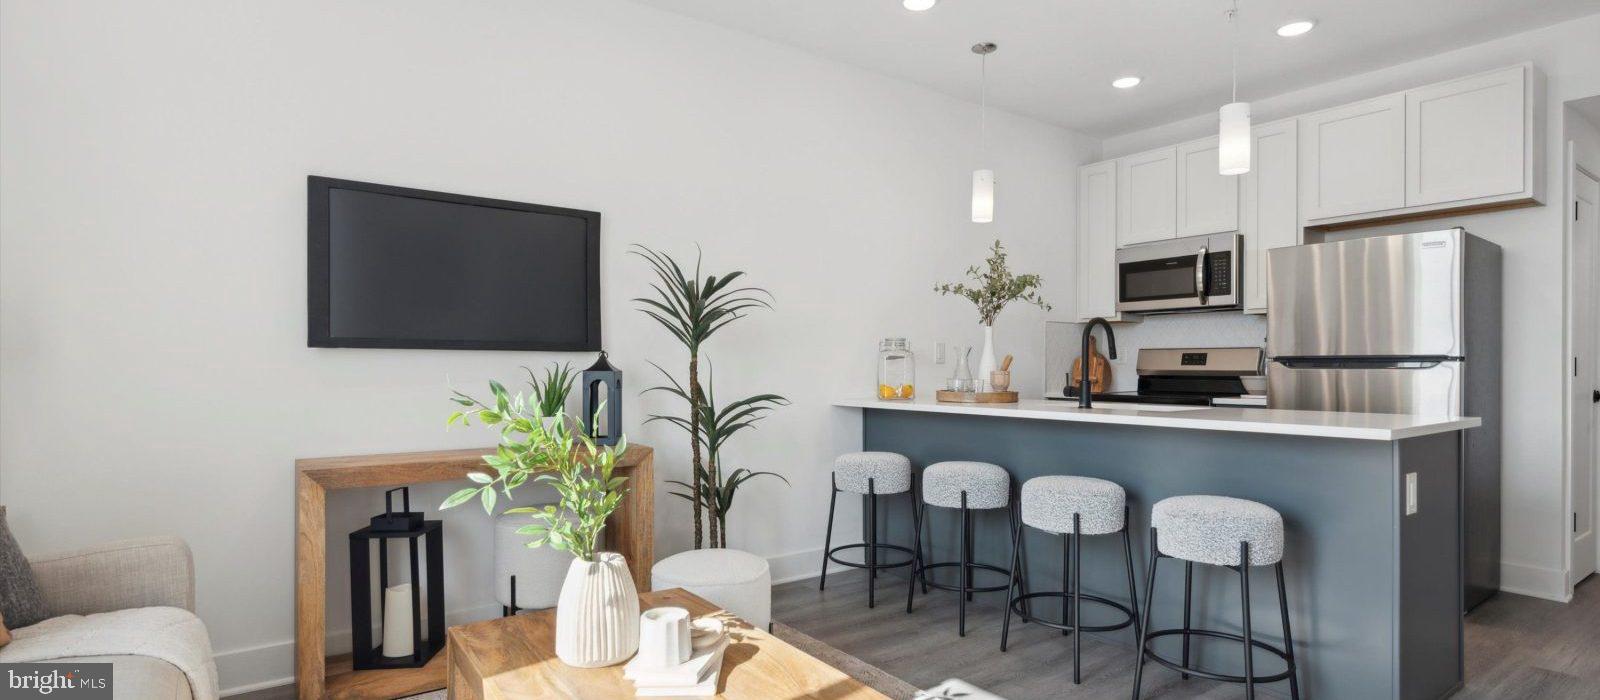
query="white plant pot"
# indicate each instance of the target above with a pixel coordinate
(986, 360)
(597, 615)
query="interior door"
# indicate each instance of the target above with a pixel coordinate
(1585, 443)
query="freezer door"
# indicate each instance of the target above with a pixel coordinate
(1433, 390)
(1386, 296)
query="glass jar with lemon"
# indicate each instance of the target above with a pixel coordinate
(897, 370)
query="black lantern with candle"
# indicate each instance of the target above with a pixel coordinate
(602, 377)
(407, 647)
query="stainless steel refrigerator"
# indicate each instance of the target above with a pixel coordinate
(1399, 324)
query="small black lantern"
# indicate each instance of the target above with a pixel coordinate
(411, 528)
(603, 376)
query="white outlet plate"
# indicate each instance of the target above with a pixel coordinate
(1411, 493)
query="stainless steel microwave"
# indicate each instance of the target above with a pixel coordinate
(1200, 273)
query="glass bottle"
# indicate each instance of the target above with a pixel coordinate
(897, 370)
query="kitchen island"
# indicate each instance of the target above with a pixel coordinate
(1375, 592)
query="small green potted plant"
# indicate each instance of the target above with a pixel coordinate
(591, 630)
(992, 289)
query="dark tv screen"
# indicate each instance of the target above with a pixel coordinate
(391, 267)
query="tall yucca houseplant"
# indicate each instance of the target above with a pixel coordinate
(692, 309)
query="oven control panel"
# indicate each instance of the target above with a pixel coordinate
(1219, 281)
(1193, 359)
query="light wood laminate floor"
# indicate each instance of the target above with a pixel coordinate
(1517, 647)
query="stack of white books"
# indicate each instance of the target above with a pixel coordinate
(696, 677)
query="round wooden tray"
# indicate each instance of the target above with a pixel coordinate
(976, 396)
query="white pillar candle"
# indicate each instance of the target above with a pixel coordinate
(397, 620)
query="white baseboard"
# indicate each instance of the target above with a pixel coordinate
(801, 565)
(271, 665)
(1534, 581)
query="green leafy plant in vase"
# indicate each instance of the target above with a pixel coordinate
(597, 613)
(992, 288)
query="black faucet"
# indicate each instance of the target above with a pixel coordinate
(1088, 362)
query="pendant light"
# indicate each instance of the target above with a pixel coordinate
(983, 179)
(1233, 134)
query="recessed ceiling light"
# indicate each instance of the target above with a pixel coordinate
(1296, 28)
(1126, 82)
(918, 5)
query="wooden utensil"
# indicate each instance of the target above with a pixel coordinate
(1005, 365)
(1099, 369)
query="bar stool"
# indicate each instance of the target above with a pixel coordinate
(1072, 506)
(1232, 533)
(870, 474)
(968, 486)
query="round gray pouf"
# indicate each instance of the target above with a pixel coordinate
(986, 485)
(738, 581)
(889, 472)
(1208, 529)
(1049, 502)
(539, 570)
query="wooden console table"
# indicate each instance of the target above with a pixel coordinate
(630, 532)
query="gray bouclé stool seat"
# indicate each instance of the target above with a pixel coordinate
(869, 474)
(1218, 531)
(1072, 507)
(967, 486)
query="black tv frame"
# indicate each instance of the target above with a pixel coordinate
(318, 271)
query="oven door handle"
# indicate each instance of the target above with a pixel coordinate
(1200, 275)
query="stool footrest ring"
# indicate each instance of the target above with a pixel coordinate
(911, 556)
(1227, 678)
(1017, 608)
(957, 587)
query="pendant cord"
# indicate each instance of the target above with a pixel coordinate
(1234, 47)
(983, 106)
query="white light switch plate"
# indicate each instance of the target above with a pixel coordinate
(1411, 493)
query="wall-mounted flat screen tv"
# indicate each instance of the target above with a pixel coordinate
(392, 267)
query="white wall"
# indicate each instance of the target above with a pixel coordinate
(154, 376)
(1535, 521)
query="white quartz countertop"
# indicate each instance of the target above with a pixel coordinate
(1330, 424)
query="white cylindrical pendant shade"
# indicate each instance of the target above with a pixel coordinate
(982, 196)
(1233, 139)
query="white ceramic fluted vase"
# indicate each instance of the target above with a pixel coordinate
(597, 616)
(986, 363)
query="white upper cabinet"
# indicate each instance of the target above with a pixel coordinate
(1271, 217)
(1468, 138)
(1208, 202)
(1147, 195)
(1353, 158)
(1097, 240)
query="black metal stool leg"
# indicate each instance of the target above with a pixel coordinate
(1244, 606)
(1188, 593)
(918, 564)
(1077, 600)
(1016, 557)
(827, 539)
(1288, 642)
(1127, 558)
(916, 522)
(1066, 587)
(872, 543)
(1144, 627)
(1019, 565)
(966, 565)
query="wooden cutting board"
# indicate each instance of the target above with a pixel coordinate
(1099, 369)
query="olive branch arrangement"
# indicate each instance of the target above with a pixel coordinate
(996, 287)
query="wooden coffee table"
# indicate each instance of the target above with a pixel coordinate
(515, 657)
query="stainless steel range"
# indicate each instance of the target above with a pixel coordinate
(1185, 376)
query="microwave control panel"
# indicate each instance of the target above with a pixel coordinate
(1218, 281)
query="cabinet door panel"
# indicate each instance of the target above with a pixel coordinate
(1353, 158)
(1208, 202)
(1097, 240)
(1465, 138)
(1271, 217)
(1147, 193)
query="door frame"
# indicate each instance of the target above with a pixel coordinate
(1582, 344)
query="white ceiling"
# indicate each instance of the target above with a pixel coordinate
(1057, 57)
